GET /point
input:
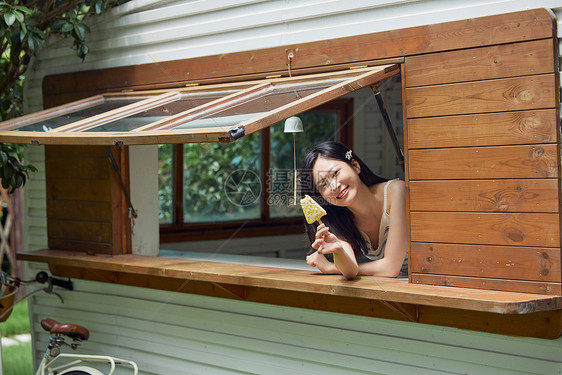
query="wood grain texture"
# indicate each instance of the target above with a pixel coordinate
(78, 190)
(72, 152)
(517, 229)
(532, 195)
(533, 161)
(86, 206)
(80, 230)
(80, 246)
(90, 169)
(487, 283)
(476, 32)
(544, 324)
(490, 129)
(79, 210)
(377, 288)
(501, 262)
(111, 139)
(506, 94)
(489, 311)
(475, 64)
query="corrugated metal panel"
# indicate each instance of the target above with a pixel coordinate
(172, 333)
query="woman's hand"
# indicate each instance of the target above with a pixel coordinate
(326, 242)
(324, 265)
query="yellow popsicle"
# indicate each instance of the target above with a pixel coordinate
(312, 210)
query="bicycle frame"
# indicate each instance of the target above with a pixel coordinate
(46, 365)
(57, 332)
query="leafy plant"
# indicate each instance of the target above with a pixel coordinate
(24, 28)
(13, 173)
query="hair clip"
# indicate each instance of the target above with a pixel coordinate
(349, 155)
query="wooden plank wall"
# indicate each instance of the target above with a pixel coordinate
(86, 211)
(483, 153)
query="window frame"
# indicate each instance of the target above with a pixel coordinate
(182, 127)
(178, 231)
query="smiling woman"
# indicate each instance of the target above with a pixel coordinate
(362, 208)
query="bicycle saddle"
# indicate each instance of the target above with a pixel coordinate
(74, 331)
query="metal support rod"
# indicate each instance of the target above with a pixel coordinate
(391, 132)
(294, 169)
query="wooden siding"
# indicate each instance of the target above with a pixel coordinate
(175, 333)
(84, 200)
(484, 167)
(351, 51)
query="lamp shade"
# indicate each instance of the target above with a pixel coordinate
(293, 125)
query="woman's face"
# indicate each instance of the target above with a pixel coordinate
(336, 180)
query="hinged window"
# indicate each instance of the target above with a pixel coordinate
(209, 113)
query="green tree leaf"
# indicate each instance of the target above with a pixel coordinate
(31, 43)
(80, 31)
(19, 16)
(58, 23)
(3, 158)
(9, 18)
(66, 27)
(23, 9)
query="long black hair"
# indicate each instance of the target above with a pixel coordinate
(339, 219)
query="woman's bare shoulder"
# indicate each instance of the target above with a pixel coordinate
(397, 186)
(396, 191)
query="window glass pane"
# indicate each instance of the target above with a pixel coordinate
(268, 99)
(68, 118)
(222, 180)
(165, 183)
(319, 126)
(184, 103)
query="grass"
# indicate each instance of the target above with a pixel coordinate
(18, 322)
(17, 359)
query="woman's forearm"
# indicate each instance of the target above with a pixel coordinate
(346, 263)
(382, 267)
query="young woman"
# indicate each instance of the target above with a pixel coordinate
(365, 225)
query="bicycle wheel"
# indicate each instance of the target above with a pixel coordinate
(81, 370)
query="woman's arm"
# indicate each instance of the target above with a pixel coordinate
(396, 243)
(328, 243)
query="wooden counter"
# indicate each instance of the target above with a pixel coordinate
(521, 314)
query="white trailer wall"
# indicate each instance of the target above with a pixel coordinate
(173, 333)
